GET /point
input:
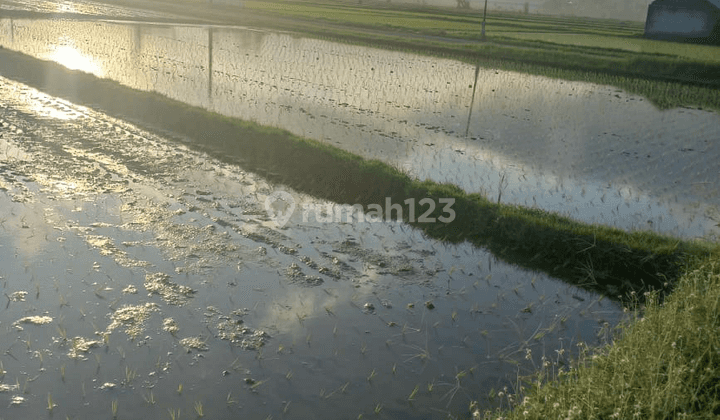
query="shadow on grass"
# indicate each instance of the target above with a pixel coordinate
(597, 258)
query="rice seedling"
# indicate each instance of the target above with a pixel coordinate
(179, 389)
(423, 354)
(454, 387)
(254, 385)
(199, 409)
(378, 408)
(61, 330)
(230, 400)
(50, 404)
(130, 375)
(414, 392)
(174, 414)
(150, 398)
(114, 408)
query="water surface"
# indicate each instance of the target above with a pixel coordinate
(142, 274)
(591, 152)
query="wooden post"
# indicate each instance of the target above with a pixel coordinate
(483, 22)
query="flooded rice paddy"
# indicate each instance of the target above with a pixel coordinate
(144, 277)
(139, 271)
(591, 152)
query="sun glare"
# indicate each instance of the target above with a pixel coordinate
(73, 59)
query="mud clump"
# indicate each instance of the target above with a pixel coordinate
(298, 277)
(132, 318)
(235, 331)
(252, 339)
(196, 343)
(169, 325)
(172, 293)
(17, 296)
(80, 346)
(34, 320)
(106, 248)
(8, 388)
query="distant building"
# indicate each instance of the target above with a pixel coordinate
(684, 20)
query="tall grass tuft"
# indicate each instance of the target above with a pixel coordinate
(664, 363)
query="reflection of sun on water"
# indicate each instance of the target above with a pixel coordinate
(66, 8)
(70, 57)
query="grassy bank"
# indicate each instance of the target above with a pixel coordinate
(664, 364)
(592, 50)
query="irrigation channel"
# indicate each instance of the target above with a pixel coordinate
(145, 277)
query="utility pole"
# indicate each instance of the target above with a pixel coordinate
(483, 22)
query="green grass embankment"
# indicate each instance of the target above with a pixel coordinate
(663, 364)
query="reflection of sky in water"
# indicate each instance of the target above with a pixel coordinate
(584, 150)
